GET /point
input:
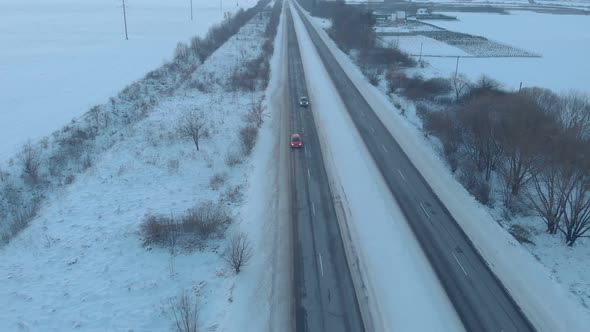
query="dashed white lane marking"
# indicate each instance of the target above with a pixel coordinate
(402, 175)
(384, 148)
(424, 209)
(313, 208)
(461, 266)
(321, 265)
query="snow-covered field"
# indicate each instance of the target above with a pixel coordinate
(562, 41)
(583, 4)
(80, 265)
(61, 57)
(428, 46)
(539, 290)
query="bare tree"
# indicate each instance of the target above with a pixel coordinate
(459, 84)
(480, 119)
(525, 130)
(31, 161)
(574, 113)
(544, 192)
(186, 313)
(576, 212)
(193, 126)
(238, 252)
(256, 114)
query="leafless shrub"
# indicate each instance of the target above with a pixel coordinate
(3, 176)
(233, 158)
(233, 194)
(460, 85)
(206, 220)
(23, 214)
(193, 126)
(445, 126)
(381, 56)
(247, 75)
(372, 74)
(217, 180)
(255, 113)
(30, 163)
(475, 185)
(248, 137)
(181, 53)
(239, 251)
(157, 229)
(197, 84)
(186, 312)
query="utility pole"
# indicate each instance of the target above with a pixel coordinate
(457, 67)
(125, 20)
(191, 10)
(520, 87)
(420, 58)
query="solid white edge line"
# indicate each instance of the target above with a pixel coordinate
(461, 266)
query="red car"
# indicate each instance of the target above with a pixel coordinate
(296, 141)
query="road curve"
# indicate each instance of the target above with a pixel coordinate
(479, 298)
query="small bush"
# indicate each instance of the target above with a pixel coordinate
(157, 229)
(30, 162)
(477, 187)
(417, 88)
(248, 137)
(239, 252)
(186, 312)
(233, 158)
(233, 195)
(206, 220)
(217, 180)
(386, 56)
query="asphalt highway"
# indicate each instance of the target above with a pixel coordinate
(323, 288)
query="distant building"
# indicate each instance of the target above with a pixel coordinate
(382, 18)
(422, 11)
(400, 16)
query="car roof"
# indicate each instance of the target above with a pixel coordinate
(295, 135)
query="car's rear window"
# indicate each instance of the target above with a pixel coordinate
(296, 139)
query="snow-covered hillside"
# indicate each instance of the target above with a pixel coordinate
(81, 264)
(59, 58)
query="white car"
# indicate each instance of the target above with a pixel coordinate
(303, 102)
